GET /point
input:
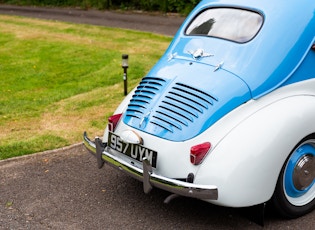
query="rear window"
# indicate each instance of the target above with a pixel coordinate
(238, 25)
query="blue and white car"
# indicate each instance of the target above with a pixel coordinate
(227, 115)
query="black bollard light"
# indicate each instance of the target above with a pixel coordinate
(124, 65)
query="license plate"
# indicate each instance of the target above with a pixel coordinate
(135, 151)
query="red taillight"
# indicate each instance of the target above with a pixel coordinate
(198, 152)
(113, 121)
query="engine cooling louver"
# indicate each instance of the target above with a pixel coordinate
(181, 106)
(145, 93)
(166, 107)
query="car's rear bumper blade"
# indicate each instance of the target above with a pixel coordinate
(147, 176)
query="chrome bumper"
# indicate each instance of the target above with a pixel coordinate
(147, 176)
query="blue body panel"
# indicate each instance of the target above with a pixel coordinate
(280, 54)
(179, 107)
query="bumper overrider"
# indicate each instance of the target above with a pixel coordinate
(146, 175)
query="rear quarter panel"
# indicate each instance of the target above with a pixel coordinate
(246, 162)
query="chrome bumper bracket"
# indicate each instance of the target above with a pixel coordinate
(100, 146)
(147, 171)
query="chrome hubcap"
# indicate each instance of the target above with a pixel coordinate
(303, 174)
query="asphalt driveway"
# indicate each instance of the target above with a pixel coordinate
(167, 24)
(63, 189)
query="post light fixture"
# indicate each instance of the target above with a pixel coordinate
(125, 61)
(125, 66)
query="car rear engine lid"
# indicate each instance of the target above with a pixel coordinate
(181, 105)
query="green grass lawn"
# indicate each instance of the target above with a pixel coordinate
(59, 79)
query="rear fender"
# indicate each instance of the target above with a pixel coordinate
(246, 163)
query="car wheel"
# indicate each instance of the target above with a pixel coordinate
(295, 191)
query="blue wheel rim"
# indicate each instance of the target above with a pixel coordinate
(305, 151)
